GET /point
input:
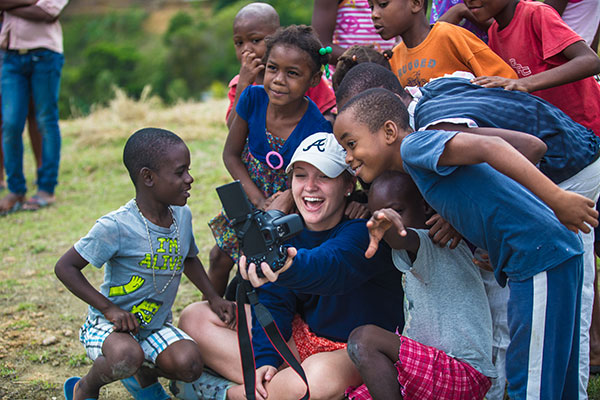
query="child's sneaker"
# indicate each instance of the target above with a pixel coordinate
(208, 387)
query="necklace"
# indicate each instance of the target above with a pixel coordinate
(152, 251)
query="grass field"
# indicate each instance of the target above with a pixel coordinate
(39, 319)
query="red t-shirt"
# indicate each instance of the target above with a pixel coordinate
(321, 94)
(532, 43)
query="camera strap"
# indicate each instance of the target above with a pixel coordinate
(246, 294)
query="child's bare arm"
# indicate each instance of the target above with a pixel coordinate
(530, 146)
(68, 270)
(458, 12)
(323, 22)
(251, 67)
(380, 226)
(558, 5)
(583, 62)
(195, 272)
(571, 209)
(232, 157)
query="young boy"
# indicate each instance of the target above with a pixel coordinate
(250, 27)
(429, 52)
(551, 60)
(446, 309)
(500, 202)
(146, 245)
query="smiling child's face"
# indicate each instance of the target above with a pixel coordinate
(483, 10)
(367, 152)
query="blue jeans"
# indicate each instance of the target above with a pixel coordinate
(36, 74)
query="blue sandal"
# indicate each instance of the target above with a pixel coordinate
(152, 392)
(69, 387)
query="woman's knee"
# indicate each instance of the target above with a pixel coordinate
(195, 317)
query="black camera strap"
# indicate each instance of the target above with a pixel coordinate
(245, 294)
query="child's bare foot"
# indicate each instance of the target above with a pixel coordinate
(11, 202)
(40, 200)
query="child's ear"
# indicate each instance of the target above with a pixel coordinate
(417, 5)
(316, 78)
(147, 177)
(391, 132)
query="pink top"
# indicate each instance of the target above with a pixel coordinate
(532, 43)
(353, 25)
(24, 34)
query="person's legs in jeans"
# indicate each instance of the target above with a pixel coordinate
(15, 99)
(45, 83)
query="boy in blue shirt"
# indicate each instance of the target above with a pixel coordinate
(146, 245)
(500, 202)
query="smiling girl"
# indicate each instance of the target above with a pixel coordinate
(272, 119)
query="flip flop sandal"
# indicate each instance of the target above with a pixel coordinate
(69, 387)
(152, 392)
(16, 207)
(36, 202)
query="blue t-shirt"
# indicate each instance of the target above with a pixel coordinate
(252, 107)
(521, 234)
(571, 146)
(333, 287)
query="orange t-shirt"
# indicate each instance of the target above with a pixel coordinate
(448, 48)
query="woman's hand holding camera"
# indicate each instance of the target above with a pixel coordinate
(248, 272)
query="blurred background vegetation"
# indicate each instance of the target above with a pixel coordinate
(182, 50)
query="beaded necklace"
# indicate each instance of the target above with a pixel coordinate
(152, 251)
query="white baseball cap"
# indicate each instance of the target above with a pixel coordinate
(322, 151)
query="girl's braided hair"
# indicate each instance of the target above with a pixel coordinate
(302, 37)
(353, 56)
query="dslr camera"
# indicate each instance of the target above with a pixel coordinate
(261, 233)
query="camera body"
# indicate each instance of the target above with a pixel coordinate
(261, 233)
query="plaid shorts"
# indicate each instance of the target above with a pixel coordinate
(308, 343)
(425, 372)
(95, 331)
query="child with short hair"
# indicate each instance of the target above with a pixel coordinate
(499, 201)
(446, 309)
(355, 55)
(251, 25)
(146, 245)
(551, 60)
(272, 119)
(431, 51)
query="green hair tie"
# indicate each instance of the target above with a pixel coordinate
(325, 50)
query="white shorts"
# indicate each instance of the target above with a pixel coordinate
(95, 331)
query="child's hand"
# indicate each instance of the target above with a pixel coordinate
(441, 232)
(380, 222)
(224, 309)
(355, 210)
(482, 260)
(264, 374)
(282, 201)
(251, 67)
(261, 202)
(574, 211)
(122, 320)
(498, 81)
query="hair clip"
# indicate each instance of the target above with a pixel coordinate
(323, 51)
(354, 57)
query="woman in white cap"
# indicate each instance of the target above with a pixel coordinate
(327, 289)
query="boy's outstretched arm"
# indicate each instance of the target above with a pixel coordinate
(195, 272)
(68, 270)
(583, 62)
(380, 226)
(571, 209)
(529, 145)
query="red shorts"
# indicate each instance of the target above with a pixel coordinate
(308, 343)
(425, 372)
